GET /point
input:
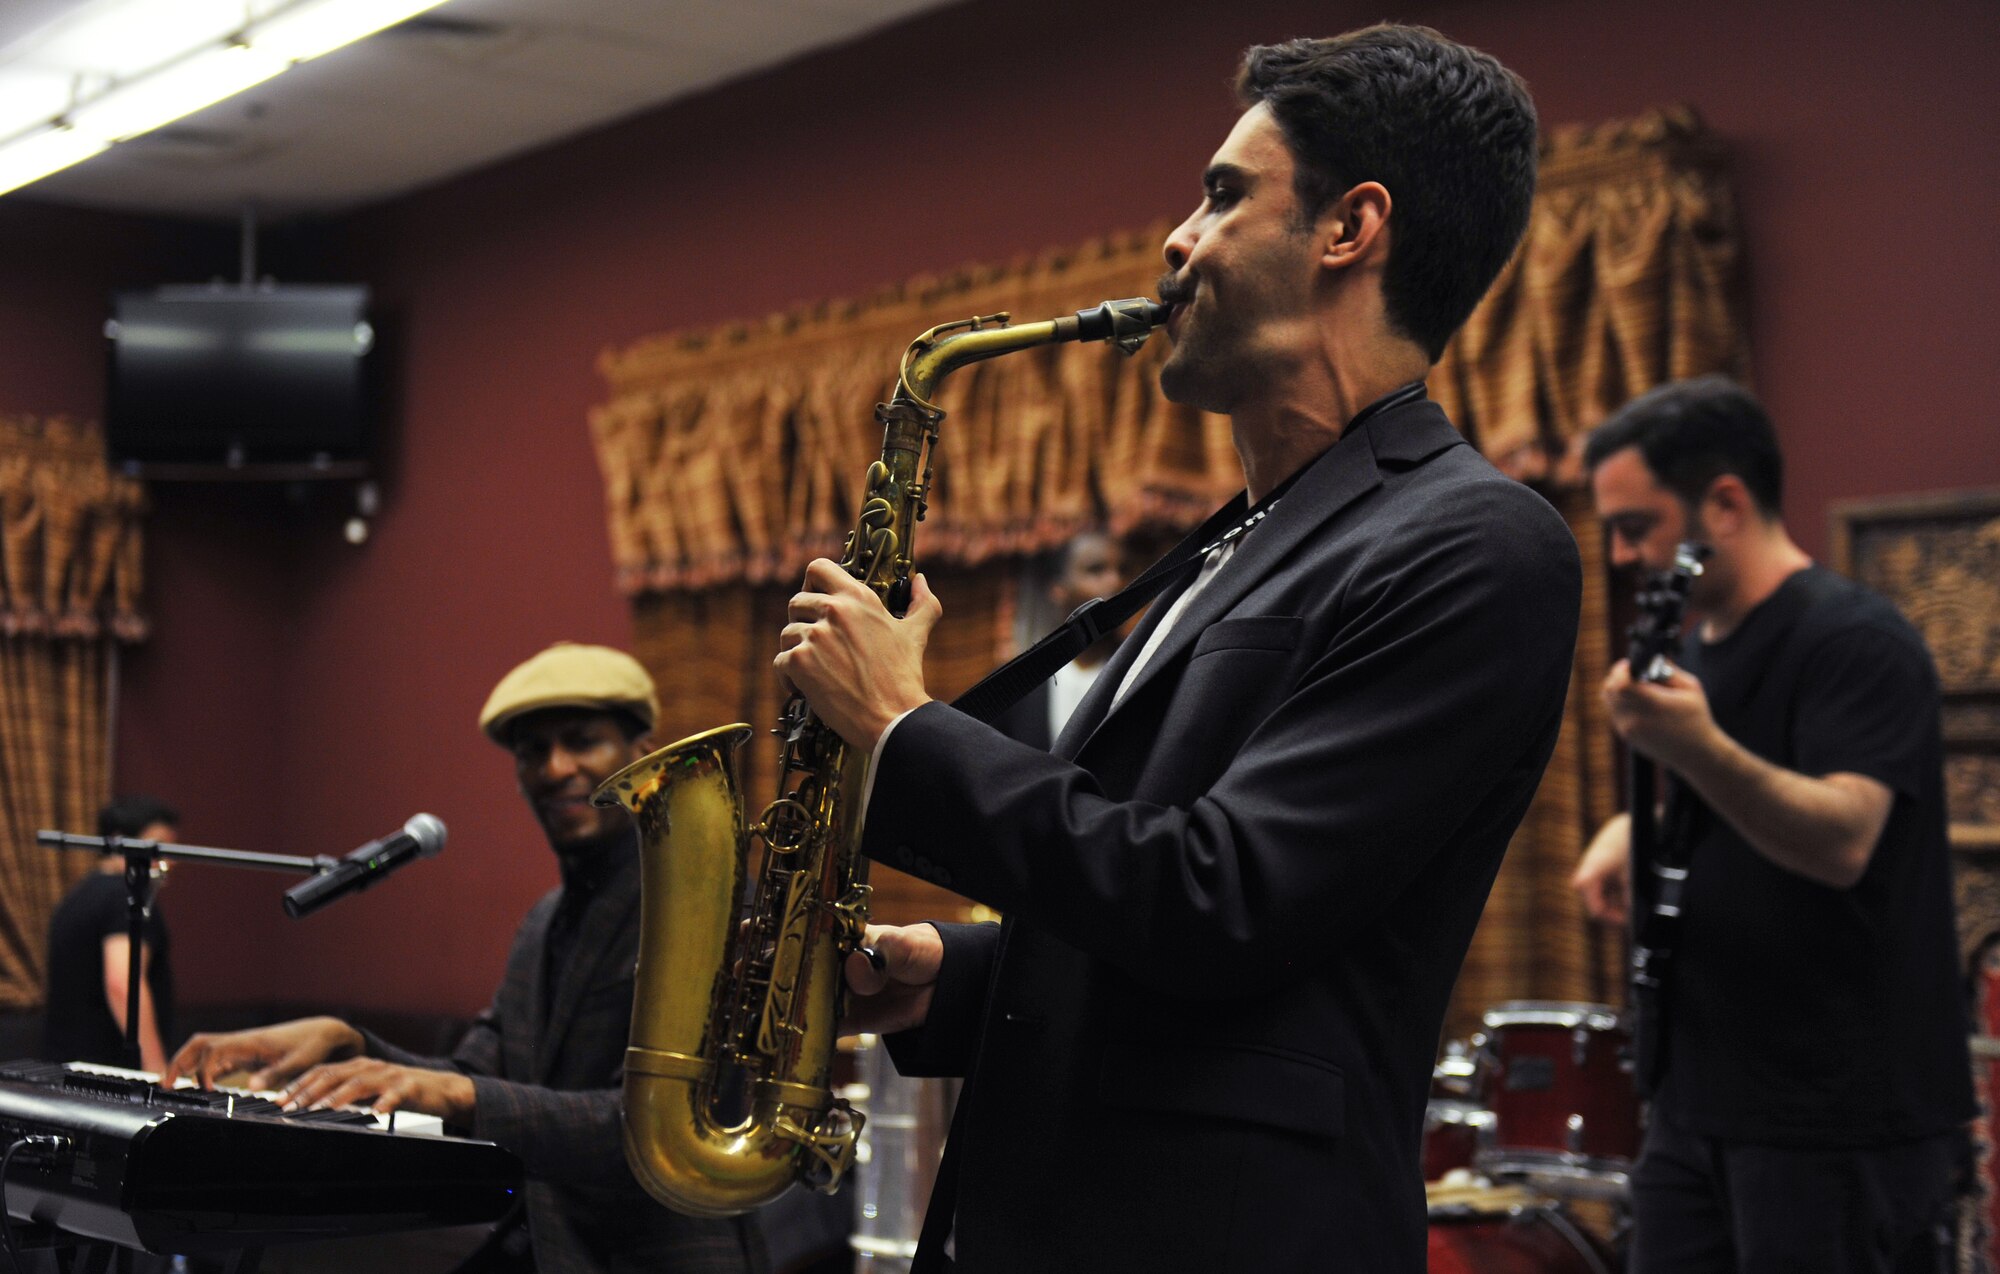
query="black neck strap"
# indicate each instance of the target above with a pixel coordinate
(1006, 685)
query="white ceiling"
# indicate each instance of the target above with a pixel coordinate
(468, 83)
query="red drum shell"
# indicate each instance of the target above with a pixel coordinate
(1453, 1134)
(1561, 1087)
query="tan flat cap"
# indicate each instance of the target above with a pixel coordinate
(569, 675)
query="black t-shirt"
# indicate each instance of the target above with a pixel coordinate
(78, 1026)
(1800, 1014)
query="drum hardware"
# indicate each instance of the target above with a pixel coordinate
(1506, 1229)
(1575, 1137)
(1565, 1014)
(1460, 1072)
(1575, 1177)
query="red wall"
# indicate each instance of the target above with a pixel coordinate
(303, 695)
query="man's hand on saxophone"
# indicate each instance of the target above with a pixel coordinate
(857, 665)
(892, 991)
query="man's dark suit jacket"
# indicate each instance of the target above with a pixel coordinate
(1237, 901)
(1028, 720)
(548, 1089)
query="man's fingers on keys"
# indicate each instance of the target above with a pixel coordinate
(307, 1089)
(277, 1070)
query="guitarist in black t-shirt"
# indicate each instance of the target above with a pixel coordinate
(1813, 1083)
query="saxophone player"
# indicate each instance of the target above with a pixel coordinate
(1239, 890)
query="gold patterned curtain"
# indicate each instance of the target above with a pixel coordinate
(732, 455)
(735, 455)
(69, 592)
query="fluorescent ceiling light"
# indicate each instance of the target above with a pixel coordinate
(31, 97)
(35, 156)
(181, 89)
(190, 63)
(122, 41)
(314, 27)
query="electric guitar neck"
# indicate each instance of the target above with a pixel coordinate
(1659, 876)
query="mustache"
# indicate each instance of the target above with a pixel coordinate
(1175, 289)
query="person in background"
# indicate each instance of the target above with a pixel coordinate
(1091, 566)
(90, 948)
(1812, 1107)
(540, 1071)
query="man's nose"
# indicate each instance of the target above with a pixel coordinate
(1180, 245)
(559, 765)
(1623, 554)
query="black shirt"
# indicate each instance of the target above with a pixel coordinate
(587, 870)
(78, 1026)
(1800, 1014)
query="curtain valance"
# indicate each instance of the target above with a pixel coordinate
(735, 454)
(1628, 277)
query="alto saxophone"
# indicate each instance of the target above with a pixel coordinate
(727, 1077)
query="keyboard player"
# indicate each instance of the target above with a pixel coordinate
(539, 1071)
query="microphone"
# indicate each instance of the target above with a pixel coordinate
(421, 837)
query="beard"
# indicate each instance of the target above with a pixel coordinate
(1230, 347)
(1199, 372)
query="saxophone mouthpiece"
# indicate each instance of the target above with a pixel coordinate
(1125, 323)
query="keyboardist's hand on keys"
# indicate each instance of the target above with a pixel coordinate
(384, 1086)
(272, 1054)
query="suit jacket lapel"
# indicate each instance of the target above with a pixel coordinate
(1096, 701)
(1351, 468)
(536, 949)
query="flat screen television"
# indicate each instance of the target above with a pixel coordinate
(239, 376)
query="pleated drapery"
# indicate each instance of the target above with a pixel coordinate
(69, 592)
(733, 455)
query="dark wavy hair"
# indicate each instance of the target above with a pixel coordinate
(1691, 432)
(1446, 129)
(130, 815)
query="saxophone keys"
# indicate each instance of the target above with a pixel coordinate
(786, 826)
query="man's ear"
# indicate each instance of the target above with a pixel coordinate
(1730, 506)
(1355, 227)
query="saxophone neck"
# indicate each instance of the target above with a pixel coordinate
(950, 346)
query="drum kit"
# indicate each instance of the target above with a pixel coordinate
(1530, 1120)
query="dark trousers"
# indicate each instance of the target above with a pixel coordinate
(1704, 1206)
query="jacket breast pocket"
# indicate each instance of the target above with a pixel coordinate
(1252, 632)
(1273, 1087)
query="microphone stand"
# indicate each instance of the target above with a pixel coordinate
(140, 856)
